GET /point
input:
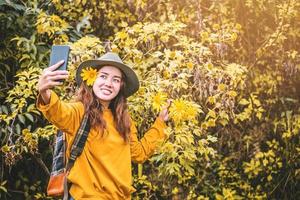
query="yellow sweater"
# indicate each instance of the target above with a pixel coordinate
(103, 170)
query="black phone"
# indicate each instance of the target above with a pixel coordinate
(58, 53)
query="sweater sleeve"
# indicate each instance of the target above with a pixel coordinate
(65, 116)
(143, 149)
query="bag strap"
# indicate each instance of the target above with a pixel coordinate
(76, 149)
(59, 152)
(79, 141)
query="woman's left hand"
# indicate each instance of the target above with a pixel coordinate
(164, 113)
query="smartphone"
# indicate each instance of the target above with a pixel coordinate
(58, 53)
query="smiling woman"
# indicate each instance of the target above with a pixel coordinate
(103, 170)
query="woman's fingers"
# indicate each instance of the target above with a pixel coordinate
(169, 103)
(57, 72)
(47, 79)
(54, 75)
(55, 66)
(47, 72)
(60, 74)
(57, 78)
(51, 77)
(164, 114)
(44, 85)
(55, 83)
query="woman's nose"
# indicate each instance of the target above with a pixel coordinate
(108, 83)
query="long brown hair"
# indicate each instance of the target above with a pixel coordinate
(94, 109)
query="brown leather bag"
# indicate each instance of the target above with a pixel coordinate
(56, 184)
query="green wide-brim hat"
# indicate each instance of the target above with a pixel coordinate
(112, 59)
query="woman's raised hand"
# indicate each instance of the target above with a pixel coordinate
(50, 78)
(164, 113)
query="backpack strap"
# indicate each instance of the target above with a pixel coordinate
(79, 141)
(76, 149)
(59, 158)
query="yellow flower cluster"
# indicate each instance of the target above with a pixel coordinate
(182, 110)
(89, 75)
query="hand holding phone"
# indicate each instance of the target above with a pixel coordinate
(56, 73)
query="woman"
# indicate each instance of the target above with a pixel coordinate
(103, 170)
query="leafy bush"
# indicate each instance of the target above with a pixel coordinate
(232, 68)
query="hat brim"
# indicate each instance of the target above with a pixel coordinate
(131, 79)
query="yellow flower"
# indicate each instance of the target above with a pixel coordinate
(216, 26)
(204, 36)
(190, 65)
(238, 26)
(211, 100)
(158, 100)
(89, 75)
(222, 87)
(232, 93)
(182, 110)
(211, 123)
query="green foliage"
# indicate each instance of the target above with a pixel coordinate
(231, 67)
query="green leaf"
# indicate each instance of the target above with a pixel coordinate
(244, 102)
(29, 116)
(18, 129)
(4, 109)
(21, 118)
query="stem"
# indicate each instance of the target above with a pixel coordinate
(11, 131)
(140, 170)
(199, 17)
(15, 191)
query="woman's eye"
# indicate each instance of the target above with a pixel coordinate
(103, 76)
(117, 80)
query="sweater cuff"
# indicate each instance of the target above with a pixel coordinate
(160, 125)
(159, 122)
(44, 107)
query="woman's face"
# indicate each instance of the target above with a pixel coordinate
(107, 84)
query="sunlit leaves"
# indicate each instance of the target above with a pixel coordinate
(52, 25)
(87, 46)
(24, 90)
(244, 102)
(121, 35)
(238, 63)
(232, 93)
(228, 194)
(30, 141)
(264, 164)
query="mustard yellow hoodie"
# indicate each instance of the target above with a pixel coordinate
(103, 170)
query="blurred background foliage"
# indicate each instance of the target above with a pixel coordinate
(232, 68)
